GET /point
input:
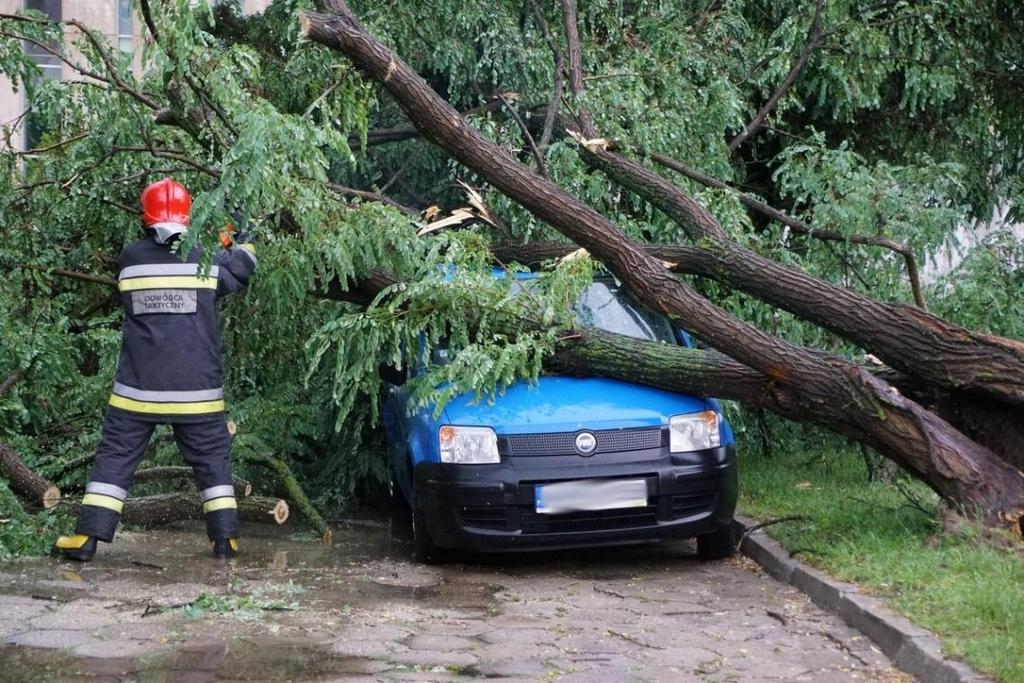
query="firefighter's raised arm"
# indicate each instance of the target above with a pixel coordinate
(237, 262)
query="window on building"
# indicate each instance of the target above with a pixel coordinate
(125, 26)
(51, 66)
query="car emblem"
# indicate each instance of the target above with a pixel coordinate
(586, 443)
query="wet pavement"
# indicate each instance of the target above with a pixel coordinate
(154, 607)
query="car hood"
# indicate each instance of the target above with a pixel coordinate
(565, 404)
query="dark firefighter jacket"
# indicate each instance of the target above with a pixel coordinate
(170, 368)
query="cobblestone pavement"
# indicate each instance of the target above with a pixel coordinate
(153, 607)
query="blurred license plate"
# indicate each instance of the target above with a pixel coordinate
(590, 494)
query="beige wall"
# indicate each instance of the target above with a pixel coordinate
(11, 103)
(97, 14)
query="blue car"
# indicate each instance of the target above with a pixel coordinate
(567, 462)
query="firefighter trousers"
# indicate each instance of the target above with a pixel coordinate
(205, 446)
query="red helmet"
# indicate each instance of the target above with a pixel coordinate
(165, 201)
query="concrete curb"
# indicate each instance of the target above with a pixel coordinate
(912, 649)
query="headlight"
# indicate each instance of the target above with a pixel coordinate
(468, 445)
(693, 432)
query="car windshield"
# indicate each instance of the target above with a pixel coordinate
(604, 305)
(607, 306)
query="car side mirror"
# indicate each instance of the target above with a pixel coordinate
(392, 374)
(684, 338)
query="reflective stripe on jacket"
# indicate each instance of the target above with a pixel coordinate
(169, 369)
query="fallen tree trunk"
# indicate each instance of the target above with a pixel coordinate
(24, 481)
(264, 510)
(847, 398)
(907, 338)
(243, 489)
(152, 511)
(10, 506)
(904, 337)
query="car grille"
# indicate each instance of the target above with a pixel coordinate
(666, 508)
(600, 520)
(690, 504)
(564, 443)
(483, 517)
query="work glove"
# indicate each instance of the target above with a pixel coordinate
(231, 235)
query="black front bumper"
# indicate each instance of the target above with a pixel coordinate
(492, 507)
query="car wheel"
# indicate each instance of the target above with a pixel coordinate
(426, 551)
(717, 545)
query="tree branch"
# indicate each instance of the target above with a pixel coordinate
(814, 35)
(801, 227)
(112, 67)
(71, 274)
(541, 168)
(11, 380)
(572, 36)
(383, 136)
(147, 17)
(372, 197)
(705, 15)
(177, 155)
(56, 145)
(556, 91)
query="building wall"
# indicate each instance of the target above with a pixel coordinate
(100, 15)
(11, 103)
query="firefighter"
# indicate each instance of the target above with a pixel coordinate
(169, 371)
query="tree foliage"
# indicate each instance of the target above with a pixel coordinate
(903, 123)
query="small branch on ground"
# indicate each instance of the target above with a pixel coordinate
(295, 493)
(770, 522)
(913, 500)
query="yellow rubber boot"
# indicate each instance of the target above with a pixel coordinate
(79, 547)
(225, 548)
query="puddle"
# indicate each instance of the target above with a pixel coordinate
(242, 660)
(289, 595)
(155, 607)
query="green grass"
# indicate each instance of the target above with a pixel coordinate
(969, 592)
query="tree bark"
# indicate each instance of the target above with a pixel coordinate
(572, 39)
(846, 397)
(26, 482)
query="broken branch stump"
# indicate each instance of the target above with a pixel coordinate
(26, 482)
